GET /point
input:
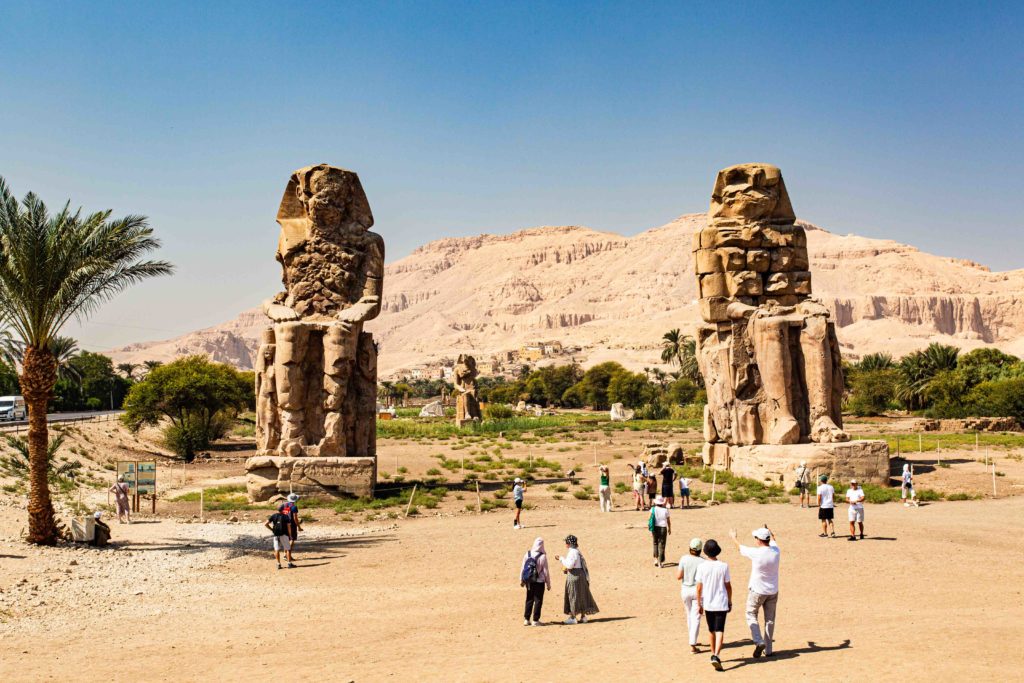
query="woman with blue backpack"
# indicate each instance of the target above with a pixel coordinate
(534, 577)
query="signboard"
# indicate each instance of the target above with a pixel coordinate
(127, 471)
(145, 478)
(141, 480)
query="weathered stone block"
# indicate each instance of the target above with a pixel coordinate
(779, 283)
(801, 283)
(867, 461)
(714, 309)
(268, 476)
(743, 283)
(713, 285)
(759, 260)
(715, 455)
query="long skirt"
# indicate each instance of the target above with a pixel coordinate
(578, 599)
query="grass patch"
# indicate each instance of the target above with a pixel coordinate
(223, 498)
(931, 442)
(425, 498)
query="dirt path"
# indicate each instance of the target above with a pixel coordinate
(935, 593)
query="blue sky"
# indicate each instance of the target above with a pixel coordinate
(896, 120)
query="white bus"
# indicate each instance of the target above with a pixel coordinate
(12, 408)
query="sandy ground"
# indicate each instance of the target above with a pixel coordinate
(934, 593)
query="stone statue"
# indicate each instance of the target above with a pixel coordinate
(316, 370)
(467, 408)
(768, 352)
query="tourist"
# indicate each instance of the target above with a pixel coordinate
(855, 498)
(907, 487)
(518, 489)
(687, 574)
(639, 486)
(714, 596)
(534, 577)
(120, 490)
(764, 586)
(280, 525)
(101, 531)
(684, 492)
(803, 484)
(652, 488)
(668, 480)
(605, 491)
(660, 524)
(578, 601)
(826, 506)
(291, 508)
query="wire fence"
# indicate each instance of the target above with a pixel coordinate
(20, 426)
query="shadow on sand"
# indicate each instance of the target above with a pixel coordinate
(811, 648)
(260, 545)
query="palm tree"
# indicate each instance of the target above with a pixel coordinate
(9, 351)
(18, 465)
(681, 349)
(53, 268)
(64, 350)
(875, 361)
(152, 365)
(128, 369)
(671, 343)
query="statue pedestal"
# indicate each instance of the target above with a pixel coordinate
(865, 461)
(271, 475)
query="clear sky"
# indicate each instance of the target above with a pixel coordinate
(897, 120)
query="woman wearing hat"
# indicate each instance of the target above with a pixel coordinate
(578, 600)
(661, 526)
(687, 574)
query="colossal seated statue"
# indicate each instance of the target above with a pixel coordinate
(767, 351)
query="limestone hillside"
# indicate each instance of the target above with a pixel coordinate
(614, 296)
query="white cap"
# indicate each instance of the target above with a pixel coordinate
(853, 481)
(696, 544)
(518, 480)
(761, 534)
(660, 500)
(97, 514)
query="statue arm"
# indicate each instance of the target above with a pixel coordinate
(368, 306)
(278, 312)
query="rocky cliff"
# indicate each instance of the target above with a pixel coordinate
(613, 297)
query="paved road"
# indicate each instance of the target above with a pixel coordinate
(66, 417)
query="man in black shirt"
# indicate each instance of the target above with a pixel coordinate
(280, 525)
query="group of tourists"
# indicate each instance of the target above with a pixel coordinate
(285, 526)
(646, 490)
(535, 577)
(826, 494)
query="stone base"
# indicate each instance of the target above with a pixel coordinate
(271, 475)
(866, 461)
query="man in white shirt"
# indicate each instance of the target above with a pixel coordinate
(855, 497)
(764, 586)
(803, 484)
(826, 506)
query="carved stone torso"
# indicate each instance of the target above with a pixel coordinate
(326, 276)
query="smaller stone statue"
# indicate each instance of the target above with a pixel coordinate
(467, 407)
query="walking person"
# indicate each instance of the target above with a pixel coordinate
(639, 486)
(826, 506)
(660, 524)
(803, 483)
(517, 497)
(907, 487)
(714, 597)
(764, 587)
(605, 490)
(687, 574)
(579, 603)
(652, 488)
(684, 492)
(120, 490)
(668, 480)
(291, 508)
(535, 577)
(280, 524)
(855, 499)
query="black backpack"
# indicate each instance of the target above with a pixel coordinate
(531, 570)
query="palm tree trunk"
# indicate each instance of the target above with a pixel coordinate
(39, 374)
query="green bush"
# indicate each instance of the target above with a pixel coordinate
(498, 411)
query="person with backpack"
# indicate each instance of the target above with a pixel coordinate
(291, 509)
(280, 526)
(535, 578)
(578, 600)
(668, 478)
(660, 526)
(803, 484)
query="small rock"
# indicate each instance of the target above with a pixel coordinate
(73, 563)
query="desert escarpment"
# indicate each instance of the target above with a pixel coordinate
(613, 297)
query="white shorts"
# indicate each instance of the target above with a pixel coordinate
(856, 514)
(283, 542)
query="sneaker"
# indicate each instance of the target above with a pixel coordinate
(291, 565)
(535, 623)
(758, 650)
(906, 505)
(583, 619)
(278, 566)
(716, 662)
(862, 537)
(852, 538)
(526, 622)
(569, 622)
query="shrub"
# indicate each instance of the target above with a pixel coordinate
(498, 411)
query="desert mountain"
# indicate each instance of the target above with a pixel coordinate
(613, 297)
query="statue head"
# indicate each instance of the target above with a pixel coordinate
(323, 199)
(751, 192)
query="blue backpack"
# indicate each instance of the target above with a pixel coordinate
(531, 571)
